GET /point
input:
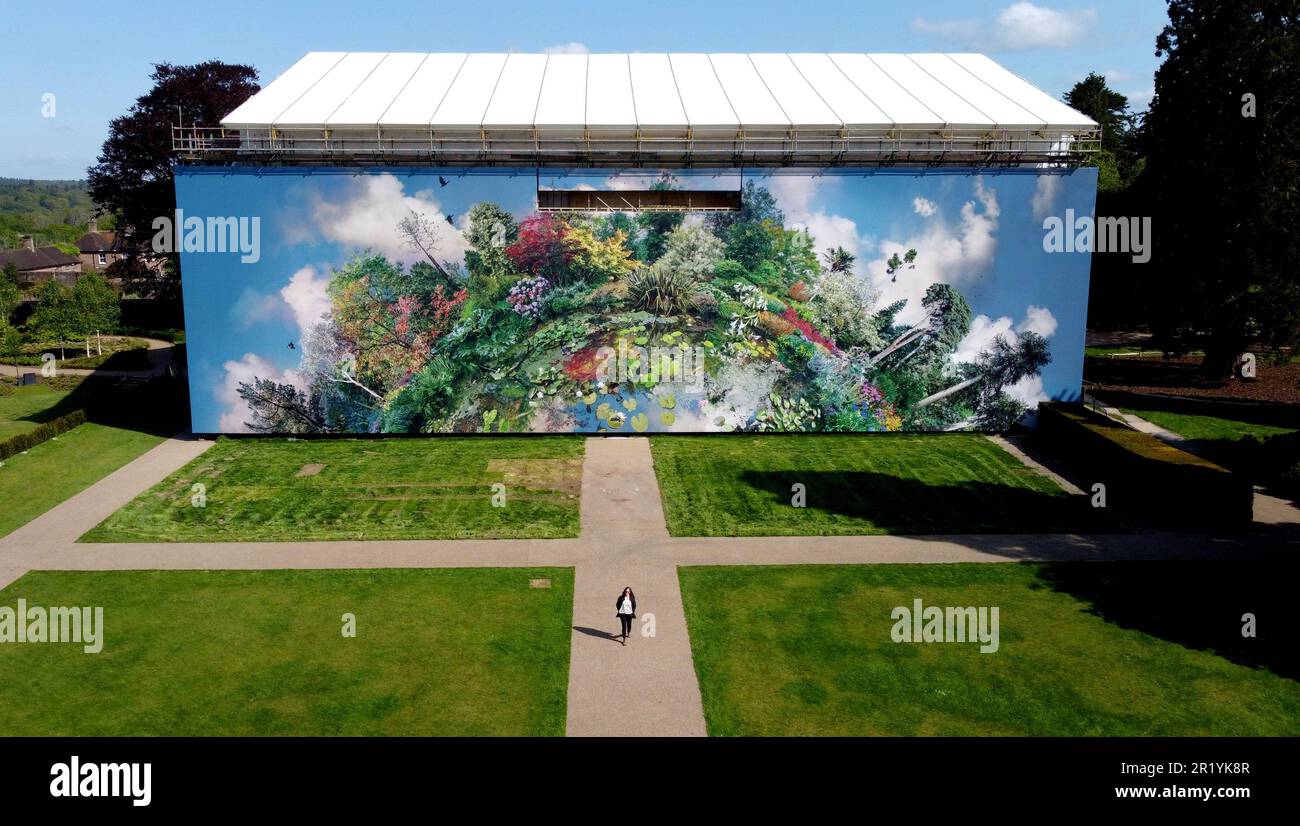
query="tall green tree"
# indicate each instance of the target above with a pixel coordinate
(11, 342)
(1224, 164)
(54, 318)
(1118, 159)
(132, 179)
(95, 305)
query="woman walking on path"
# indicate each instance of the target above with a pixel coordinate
(625, 605)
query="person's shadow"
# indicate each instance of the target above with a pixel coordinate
(596, 632)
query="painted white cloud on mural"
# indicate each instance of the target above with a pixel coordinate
(303, 301)
(237, 413)
(1028, 391)
(254, 307)
(1038, 320)
(1047, 189)
(307, 298)
(952, 254)
(796, 196)
(369, 220)
(983, 331)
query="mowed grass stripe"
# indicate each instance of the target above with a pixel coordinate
(367, 489)
(884, 484)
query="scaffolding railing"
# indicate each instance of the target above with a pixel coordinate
(697, 147)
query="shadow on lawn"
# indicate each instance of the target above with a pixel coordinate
(909, 506)
(159, 407)
(1196, 604)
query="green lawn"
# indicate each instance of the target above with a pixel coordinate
(26, 407)
(1086, 649)
(291, 490)
(919, 483)
(1215, 438)
(472, 651)
(33, 482)
(1207, 428)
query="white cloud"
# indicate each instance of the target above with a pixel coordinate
(924, 206)
(796, 196)
(1038, 320)
(945, 253)
(1028, 391)
(567, 48)
(369, 220)
(1116, 75)
(984, 330)
(1021, 26)
(238, 413)
(253, 307)
(1046, 190)
(306, 297)
(1140, 97)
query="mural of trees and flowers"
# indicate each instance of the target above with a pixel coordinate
(619, 322)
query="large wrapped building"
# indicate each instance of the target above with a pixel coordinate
(447, 242)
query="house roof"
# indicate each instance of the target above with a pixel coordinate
(101, 241)
(627, 91)
(41, 258)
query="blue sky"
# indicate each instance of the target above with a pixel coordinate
(982, 234)
(96, 59)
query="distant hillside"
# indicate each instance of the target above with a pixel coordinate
(54, 212)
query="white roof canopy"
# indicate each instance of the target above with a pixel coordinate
(766, 108)
(763, 91)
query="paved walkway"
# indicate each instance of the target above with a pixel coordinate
(647, 687)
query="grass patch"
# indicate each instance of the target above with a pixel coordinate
(257, 490)
(1086, 649)
(33, 482)
(26, 407)
(922, 483)
(1216, 438)
(1199, 427)
(471, 651)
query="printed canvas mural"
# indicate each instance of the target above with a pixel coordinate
(442, 301)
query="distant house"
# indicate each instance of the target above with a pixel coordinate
(36, 264)
(98, 249)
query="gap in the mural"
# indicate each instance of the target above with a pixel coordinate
(638, 200)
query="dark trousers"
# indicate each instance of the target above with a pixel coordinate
(626, 619)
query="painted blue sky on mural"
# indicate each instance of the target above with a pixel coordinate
(981, 233)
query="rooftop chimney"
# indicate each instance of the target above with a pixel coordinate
(27, 242)
(94, 225)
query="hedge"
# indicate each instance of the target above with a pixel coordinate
(1145, 476)
(41, 433)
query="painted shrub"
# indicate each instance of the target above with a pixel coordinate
(433, 301)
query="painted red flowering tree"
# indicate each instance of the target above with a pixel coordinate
(543, 248)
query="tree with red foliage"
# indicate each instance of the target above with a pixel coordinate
(132, 179)
(543, 248)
